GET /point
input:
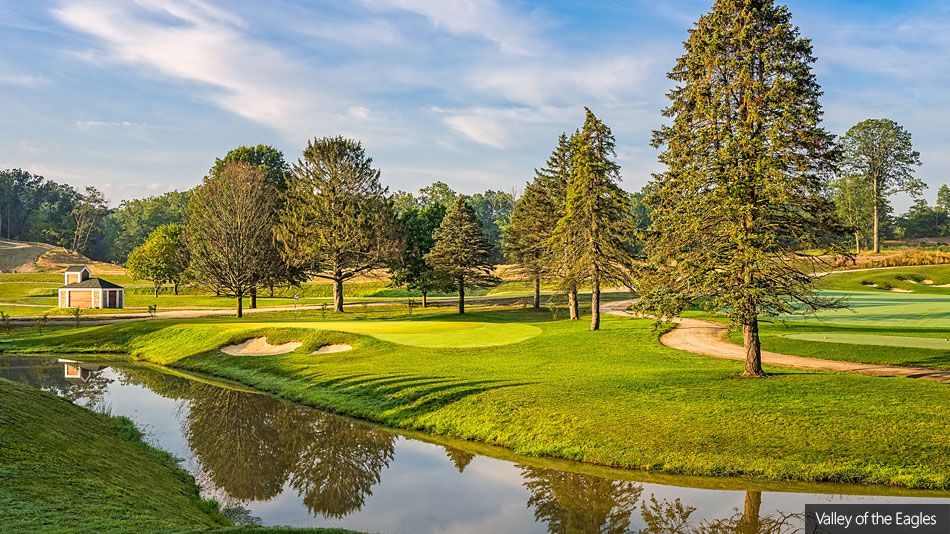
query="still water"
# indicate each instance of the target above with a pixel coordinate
(275, 463)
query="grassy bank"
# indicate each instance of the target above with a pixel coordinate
(67, 469)
(615, 397)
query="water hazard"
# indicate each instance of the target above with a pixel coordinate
(275, 463)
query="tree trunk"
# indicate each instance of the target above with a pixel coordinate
(338, 295)
(537, 292)
(750, 522)
(594, 300)
(461, 295)
(176, 286)
(156, 289)
(857, 243)
(254, 297)
(240, 305)
(753, 348)
(424, 303)
(877, 229)
(572, 304)
(272, 290)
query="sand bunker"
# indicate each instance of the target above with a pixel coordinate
(260, 347)
(899, 290)
(328, 349)
(927, 282)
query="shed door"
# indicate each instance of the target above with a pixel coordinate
(80, 299)
(113, 300)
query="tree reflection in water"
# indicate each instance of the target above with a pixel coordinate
(250, 445)
(48, 374)
(672, 517)
(582, 504)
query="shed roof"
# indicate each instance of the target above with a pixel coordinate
(92, 283)
(76, 268)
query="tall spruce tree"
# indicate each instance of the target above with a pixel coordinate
(880, 151)
(745, 188)
(593, 234)
(337, 221)
(462, 252)
(534, 219)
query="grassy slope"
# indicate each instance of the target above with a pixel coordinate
(66, 469)
(614, 397)
(889, 278)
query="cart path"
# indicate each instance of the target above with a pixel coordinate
(706, 337)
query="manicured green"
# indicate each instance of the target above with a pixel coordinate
(885, 310)
(905, 278)
(615, 397)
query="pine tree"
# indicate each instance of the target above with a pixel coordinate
(593, 234)
(461, 252)
(534, 220)
(745, 188)
(337, 221)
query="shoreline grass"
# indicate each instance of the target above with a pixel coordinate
(615, 397)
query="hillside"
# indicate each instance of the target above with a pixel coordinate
(19, 257)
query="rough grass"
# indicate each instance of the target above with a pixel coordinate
(66, 469)
(615, 397)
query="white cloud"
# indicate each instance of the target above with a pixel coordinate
(512, 31)
(85, 125)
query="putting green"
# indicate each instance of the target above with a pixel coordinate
(885, 310)
(937, 343)
(432, 334)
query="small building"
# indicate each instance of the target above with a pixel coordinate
(83, 291)
(80, 370)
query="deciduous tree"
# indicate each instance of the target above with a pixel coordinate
(745, 188)
(161, 258)
(461, 251)
(337, 221)
(880, 151)
(231, 220)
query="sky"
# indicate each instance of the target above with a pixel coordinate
(139, 97)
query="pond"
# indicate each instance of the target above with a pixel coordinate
(275, 463)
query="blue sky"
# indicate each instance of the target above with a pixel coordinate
(139, 97)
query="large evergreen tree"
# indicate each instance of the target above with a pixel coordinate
(337, 221)
(745, 188)
(880, 151)
(230, 221)
(461, 251)
(594, 232)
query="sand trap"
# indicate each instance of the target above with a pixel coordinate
(869, 284)
(942, 285)
(927, 282)
(899, 290)
(329, 349)
(260, 347)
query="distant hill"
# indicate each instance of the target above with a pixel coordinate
(19, 257)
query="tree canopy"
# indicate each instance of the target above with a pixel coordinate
(265, 157)
(880, 151)
(161, 258)
(745, 186)
(418, 228)
(337, 220)
(231, 220)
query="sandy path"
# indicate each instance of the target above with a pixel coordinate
(706, 337)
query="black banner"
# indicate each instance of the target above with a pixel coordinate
(877, 518)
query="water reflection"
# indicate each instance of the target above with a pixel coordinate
(67, 378)
(672, 516)
(250, 445)
(577, 503)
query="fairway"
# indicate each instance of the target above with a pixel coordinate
(431, 334)
(936, 343)
(905, 310)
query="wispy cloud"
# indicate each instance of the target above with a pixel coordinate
(23, 80)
